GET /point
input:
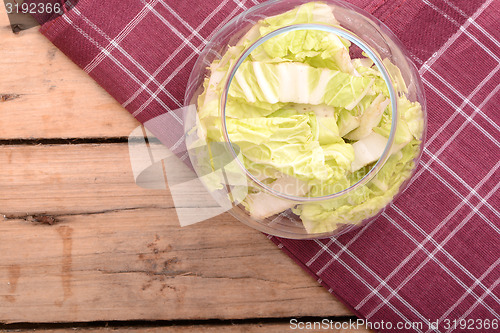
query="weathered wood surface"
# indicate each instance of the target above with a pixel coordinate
(45, 95)
(79, 241)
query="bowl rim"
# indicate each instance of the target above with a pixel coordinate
(420, 95)
(372, 54)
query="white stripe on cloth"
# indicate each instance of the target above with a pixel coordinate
(123, 33)
(454, 174)
(172, 28)
(428, 258)
(477, 282)
(458, 194)
(112, 58)
(474, 306)
(369, 286)
(467, 100)
(452, 137)
(472, 20)
(467, 201)
(177, 50)
(432, 256)
(240, 4)
(488, 291)
(181, 66)
(428, 237)
(437, 246)
(285, 215)
(330, 242)
(127, 55)
(183, 22)
(466, 116)
(183, 157)
(470, 35)
(454, 37)
(440, 264)
(459, 110)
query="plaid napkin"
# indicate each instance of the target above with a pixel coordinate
(430, 263)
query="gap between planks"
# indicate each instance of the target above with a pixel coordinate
(246, 325)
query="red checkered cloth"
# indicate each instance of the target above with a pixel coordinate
(434, 254)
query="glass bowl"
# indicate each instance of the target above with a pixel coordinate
(274, 199)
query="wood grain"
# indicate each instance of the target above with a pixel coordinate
(69, 179)
(45, 95)
(81, 242)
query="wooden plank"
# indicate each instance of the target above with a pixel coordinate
(247, 328)
(45, 95)
(59, 179)
(81, 242)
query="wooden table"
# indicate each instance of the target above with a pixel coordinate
(83, 246)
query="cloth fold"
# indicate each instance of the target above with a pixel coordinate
(432, 258)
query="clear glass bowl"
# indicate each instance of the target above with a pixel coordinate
(222, 168)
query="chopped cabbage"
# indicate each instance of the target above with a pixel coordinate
(309, 119)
